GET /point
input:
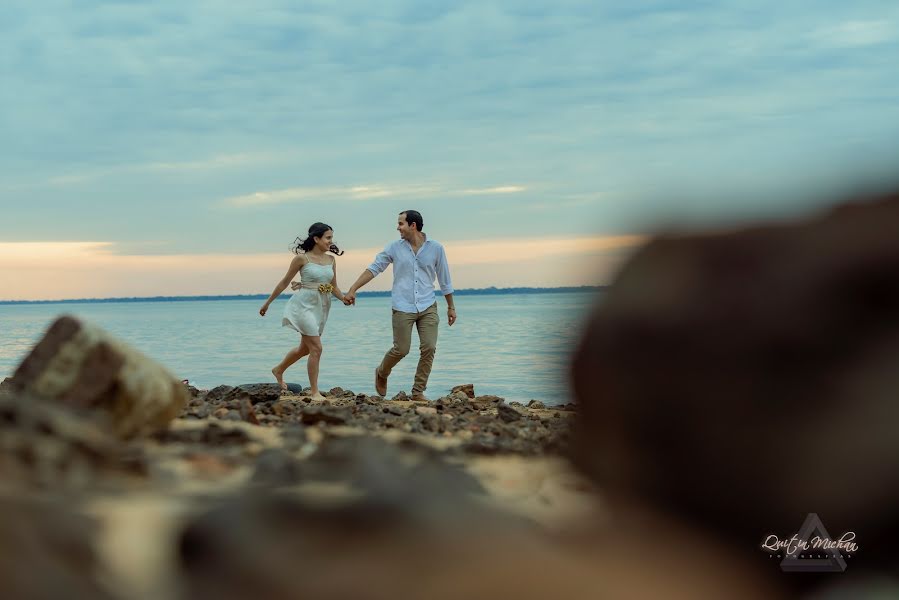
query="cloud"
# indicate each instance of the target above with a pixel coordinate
(60, 270)
(133, 120)
(502, 189)
(361, 192)
(855, 34)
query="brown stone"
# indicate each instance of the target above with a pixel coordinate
(743, 379)
(467, 389)
(80, 365)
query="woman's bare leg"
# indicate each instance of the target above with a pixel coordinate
(314, 343)
(292, 356)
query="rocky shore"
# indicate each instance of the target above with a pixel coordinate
(462, 420)
(152, 512)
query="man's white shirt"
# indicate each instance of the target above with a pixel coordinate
(414, 274)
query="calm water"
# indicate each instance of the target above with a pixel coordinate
(514, 346)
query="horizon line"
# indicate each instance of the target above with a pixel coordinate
(370, 293)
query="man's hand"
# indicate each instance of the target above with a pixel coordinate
(349, 298)
(451, 314)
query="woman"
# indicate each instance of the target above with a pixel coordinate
(307, 310)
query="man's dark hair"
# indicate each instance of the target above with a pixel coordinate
(413, 216)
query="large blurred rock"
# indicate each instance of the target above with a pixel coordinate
(46, 552)
(742, 380)
(79, 364)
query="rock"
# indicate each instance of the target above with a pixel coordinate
(79, 364)
(336, 392)
(55, 447)
(507, 414)
(485, 402)
(720, 367)
(217, 393)
(220, 413)
(6, 388)
(247, 413)
(536, 404)
(426, 410)
(401, 397)
(325, 414)
(256, 392)
(460, 396)
(467, 389)
(213, 434)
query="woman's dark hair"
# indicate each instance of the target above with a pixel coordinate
(316, 230)
(413, 216)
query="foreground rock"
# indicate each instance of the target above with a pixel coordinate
(742, 380)
(82, 366)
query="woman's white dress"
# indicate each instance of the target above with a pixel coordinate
(307, 310)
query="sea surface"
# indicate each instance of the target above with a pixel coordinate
(511, 345)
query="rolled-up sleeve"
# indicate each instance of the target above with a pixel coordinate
(443, 273)
(382, 261)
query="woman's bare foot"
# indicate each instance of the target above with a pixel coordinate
(279, 377)
(317, 396)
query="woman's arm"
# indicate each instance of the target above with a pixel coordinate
(336, 290)
(298, 261)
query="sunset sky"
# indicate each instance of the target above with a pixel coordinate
(170, 148)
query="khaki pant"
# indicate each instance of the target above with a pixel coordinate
(426, 322)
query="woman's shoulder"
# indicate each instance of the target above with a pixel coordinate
(299, 259)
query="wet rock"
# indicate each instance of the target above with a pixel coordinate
(256, 392)
(217, 393)
(79, 364)
(467, 389)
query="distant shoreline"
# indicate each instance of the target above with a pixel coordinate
(491, 291)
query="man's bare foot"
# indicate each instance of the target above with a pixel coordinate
(317, 397)
(380, 383)
(279, 377)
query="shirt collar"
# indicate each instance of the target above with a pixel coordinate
(422, 244)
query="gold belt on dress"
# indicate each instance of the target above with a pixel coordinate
(324, 288)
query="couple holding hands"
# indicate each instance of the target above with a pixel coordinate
(417, 262)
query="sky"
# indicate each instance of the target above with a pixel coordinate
(172, 148)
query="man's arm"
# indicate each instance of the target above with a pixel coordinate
(381, 262)
(350, 296)
(446, 285)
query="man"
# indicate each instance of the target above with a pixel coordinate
(417, 261)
